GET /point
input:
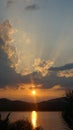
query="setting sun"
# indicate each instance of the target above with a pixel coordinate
(33, 92)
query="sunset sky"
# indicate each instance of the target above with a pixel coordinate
(36, 49)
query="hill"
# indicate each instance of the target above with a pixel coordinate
(14, 105)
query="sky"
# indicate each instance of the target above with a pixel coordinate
(36, 49)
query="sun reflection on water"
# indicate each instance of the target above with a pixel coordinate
(34, 118)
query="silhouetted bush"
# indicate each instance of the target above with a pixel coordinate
(38, 128)
(21, 125)
(18, 125)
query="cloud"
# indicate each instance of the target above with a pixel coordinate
(9, 3)
(61, 68)
(42, 66)
(22, 36)
(32, 7)
(52, 79)
(15, 56)
(66, 73)
(43, 74)
(8, 58)
(23, 43)
(6, 32)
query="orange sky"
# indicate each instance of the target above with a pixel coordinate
(25, 94)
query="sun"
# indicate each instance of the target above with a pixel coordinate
(33, 92)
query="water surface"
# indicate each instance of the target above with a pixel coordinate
(48, 120)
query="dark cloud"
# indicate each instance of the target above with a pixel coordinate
(8, 76)
(32, 7)
(51, 80)
(9, 3)
(65, 67)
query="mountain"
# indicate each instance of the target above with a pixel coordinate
(50, 105)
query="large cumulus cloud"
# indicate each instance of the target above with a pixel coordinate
(44, 74)
(42, 66)
(8, 58)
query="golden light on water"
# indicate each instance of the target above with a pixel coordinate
(34, 118)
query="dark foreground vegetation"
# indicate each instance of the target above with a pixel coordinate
(67, 114)
(17, 125)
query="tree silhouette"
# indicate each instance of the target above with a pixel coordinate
(67, 114)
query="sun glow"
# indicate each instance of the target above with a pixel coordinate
(33, 92)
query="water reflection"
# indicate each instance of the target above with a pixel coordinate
(34, 118)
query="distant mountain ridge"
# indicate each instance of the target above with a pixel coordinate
(15, 105)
